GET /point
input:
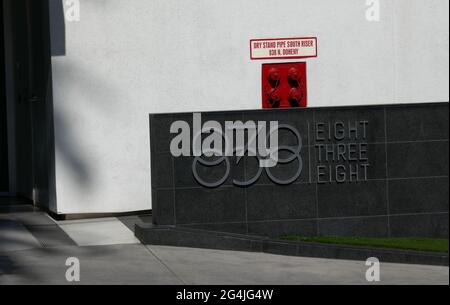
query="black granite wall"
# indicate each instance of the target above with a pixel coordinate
(366, 171)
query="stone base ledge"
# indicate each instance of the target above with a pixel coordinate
(192, 238)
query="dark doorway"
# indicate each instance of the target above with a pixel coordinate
(4, 169)
(28, 60)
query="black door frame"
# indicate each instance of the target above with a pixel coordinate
(4, 154)
(29, 102)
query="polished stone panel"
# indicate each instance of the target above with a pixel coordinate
(353, 124)
(301, 119)
(162, 174)
(160, 133)
(419, 123)
(364, 171)
(418, 196)
(184, 176)
(276, 229)
(281, 202)
(352, 199)
(420, 159)
(238, 227)
(164, 207)
(423, 225)
(210, 205)
(374, 153)
(283, 171)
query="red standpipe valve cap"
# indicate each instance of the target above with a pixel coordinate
(273, 96)
(294, 74)
(295, 94)
(274, 75)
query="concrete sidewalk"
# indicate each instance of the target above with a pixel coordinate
(137, 264)
(34, 250)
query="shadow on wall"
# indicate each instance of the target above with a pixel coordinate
(80, 79)
(65, 142)
(68, 141)
(68, 152)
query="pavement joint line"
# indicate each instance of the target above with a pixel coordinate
(312, 219)
(86, 221)
(41, 245)
(165, 265)
(34, 226)
(30, 229)
(4, 253)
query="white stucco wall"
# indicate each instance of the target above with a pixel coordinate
(127, 58)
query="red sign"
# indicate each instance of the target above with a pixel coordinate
(284, 85)
(283, 48)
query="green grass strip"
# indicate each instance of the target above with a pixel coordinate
(413, 243)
